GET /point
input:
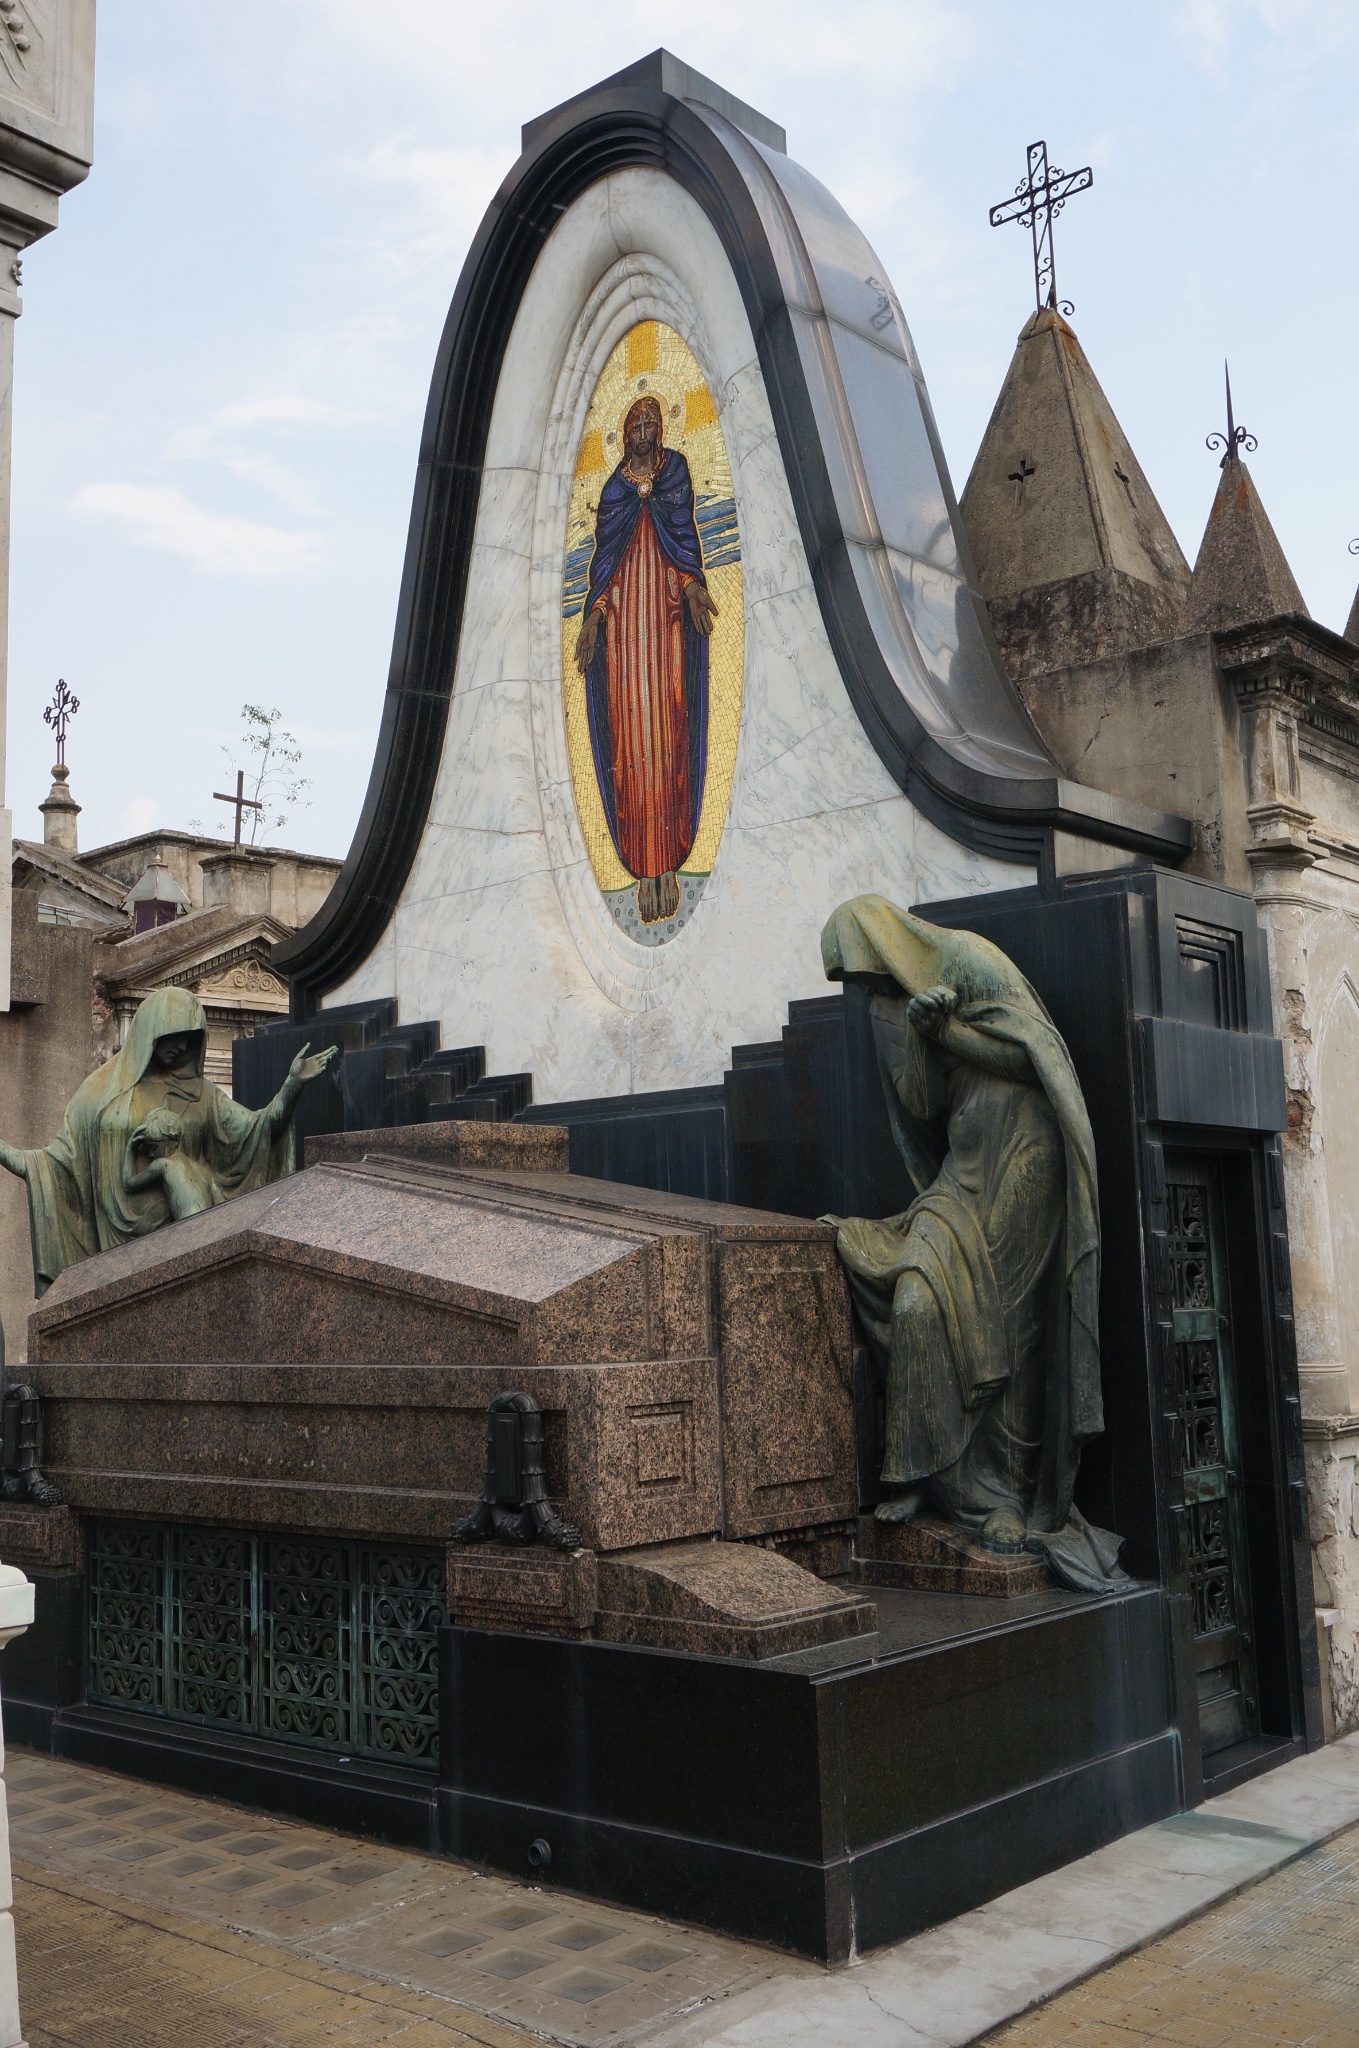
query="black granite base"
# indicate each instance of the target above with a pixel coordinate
(828, 1802)
(386, 1802)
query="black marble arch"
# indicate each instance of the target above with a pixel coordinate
(638, 118)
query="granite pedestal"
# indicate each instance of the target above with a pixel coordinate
(690, 1717)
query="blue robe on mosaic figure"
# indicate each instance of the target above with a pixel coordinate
(669, 504)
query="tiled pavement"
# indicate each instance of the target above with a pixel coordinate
(95, 1973)
(1275, 1967)
(292, 1934)
(147, 1917)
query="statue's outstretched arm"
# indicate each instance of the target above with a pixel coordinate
(308, 1066)
(13, 1160)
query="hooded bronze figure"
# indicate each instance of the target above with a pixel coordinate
(980, 1301)
(96, 1184)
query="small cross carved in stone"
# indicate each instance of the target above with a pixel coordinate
(1019, 477)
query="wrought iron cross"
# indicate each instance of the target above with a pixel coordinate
(1235, 437)
(1036, 205)
(240, 800)
(58, 715)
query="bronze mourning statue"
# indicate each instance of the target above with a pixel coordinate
(146, 1139)
(981, 1301)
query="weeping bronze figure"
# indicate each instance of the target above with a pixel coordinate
(980, 1301)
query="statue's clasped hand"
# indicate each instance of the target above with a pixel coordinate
(309, 1065)
(931, 1010)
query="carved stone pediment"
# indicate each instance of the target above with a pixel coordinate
(247, 978)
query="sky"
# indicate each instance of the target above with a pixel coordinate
(225, 350)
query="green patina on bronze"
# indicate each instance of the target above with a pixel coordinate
(147, 1139)
(980, 1301)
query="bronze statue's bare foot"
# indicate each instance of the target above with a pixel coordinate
(901, 1507)
(646, 900)
(1005, 1530)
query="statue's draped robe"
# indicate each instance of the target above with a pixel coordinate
(78, 1201)
(981, 1300)
(647, 683)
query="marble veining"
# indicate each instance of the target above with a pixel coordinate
(502, 932)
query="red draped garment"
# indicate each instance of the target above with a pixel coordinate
(644, 628)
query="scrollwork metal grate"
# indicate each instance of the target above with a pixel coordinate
(1198, 1398)
(1191, 1276)
(317, 1641)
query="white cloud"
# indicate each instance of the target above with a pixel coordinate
(452, 186)
(158, 516)
(325, 736)
(139, 815)
(286, 408)
(1298, 31)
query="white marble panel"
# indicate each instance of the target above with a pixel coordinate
(501, 932)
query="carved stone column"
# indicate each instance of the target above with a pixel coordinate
(46, 147)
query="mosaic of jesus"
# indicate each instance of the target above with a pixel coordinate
(651, 659)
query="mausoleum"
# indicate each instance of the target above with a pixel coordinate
(521, 1478)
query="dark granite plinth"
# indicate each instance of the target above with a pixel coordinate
(39, 1539)
(709, 1599)
(835, 1799)
(723, 1600)
(939, 1557)
(536, 1589)
(536, 1147)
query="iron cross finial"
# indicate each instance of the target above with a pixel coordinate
(241, 801)
(58, 715)
(1235, 437)
(1037, 202)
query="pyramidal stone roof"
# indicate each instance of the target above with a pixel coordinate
(1352, 623)
(1242, 573)
(1076, 558)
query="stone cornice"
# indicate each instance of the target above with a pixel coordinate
(180, 966)
(1288, 651)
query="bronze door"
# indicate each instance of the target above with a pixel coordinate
(1207, 1438)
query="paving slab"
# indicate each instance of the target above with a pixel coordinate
(568, 1969)
(414, 1942)
(958, 1982)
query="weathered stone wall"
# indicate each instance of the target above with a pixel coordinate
(46, 1050)
(1333, 1502)
(1158, 725)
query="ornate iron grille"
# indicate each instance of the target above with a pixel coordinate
(401, 1604)
(1191, 1273)
(211, 1604)
(127, 1616)
(307, 1689)
(307, 1640)
(1198, 1399)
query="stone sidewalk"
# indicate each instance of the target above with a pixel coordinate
(1278, 1967)
(154, 1917)
(373, 1935)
